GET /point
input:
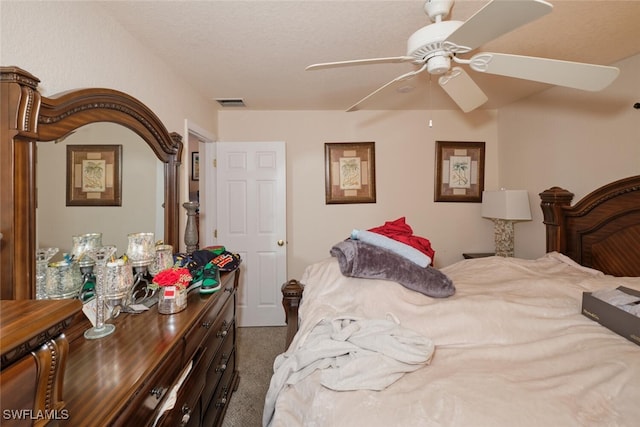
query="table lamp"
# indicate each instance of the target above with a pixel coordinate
(504, 208)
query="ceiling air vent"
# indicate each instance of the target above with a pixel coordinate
(231, 102)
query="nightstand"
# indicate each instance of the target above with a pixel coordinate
(477, 255)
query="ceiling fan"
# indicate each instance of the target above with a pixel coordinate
(433, 48)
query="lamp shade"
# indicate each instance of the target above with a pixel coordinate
(506, 204)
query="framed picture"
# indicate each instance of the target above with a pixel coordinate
(195, 166)
(459, 171)
(350, 172)
(94, 175)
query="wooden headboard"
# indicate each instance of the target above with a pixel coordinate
(601, 231)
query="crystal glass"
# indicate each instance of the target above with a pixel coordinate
(141, 248)
(84, 243)
(101, 257)
(163, 259)
(63, 280)
(43, 256)
(118, 278)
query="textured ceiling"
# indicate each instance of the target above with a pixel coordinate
(257, 50)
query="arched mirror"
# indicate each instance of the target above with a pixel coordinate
(135, 177)
(33, 120)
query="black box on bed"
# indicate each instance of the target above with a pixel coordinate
(612, 317)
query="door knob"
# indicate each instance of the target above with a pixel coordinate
(280, 242)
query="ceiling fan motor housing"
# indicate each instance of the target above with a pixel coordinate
(426, 44)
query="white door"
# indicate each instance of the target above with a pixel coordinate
(251, 221)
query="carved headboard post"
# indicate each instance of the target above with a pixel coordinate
(19, 105)
(552, 202)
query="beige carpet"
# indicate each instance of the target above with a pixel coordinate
(257, 349)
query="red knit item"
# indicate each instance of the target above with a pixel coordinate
(401, 231)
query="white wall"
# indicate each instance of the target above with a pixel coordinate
(70, 45)
(572, 139)
(405, 152)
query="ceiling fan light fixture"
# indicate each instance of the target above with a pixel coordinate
(439, 64)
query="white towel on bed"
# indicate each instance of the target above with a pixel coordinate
(353, 354)
(395, 246)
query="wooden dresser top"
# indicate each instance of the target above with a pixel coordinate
(27, 324)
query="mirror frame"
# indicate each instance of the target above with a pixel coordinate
(28, 118)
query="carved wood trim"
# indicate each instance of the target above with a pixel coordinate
(291, 297)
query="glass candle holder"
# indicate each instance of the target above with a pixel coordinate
(63, 280)
(43, 256)
(101, 257)
(84, 243)
(118, 278)
(141, 248)
(163, 259)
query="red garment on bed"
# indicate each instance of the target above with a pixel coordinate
(401, 231)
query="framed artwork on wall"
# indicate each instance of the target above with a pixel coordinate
(459, 171)
(195, 166)
(350, 172)
(94, 175)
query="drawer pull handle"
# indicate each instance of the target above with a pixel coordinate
(206, 325)
(186, 415)
(157, 392)
(229, 289)
(225, 322)
(221, 402)
(221, 367)
(222, 334)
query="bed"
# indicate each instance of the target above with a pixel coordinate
(509, 348)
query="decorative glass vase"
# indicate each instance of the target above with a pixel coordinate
(171, 299)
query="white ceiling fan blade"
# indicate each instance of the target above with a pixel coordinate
(389, 60)
(406, 76)
(462, 89)
(575, 75)
(498, 17)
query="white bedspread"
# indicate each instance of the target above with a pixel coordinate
(512, 349)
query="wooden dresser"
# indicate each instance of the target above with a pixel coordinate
(34, 354)
(128, 377)
(125, 378)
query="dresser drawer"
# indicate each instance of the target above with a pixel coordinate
(204, 325)
(187, 408)
(218, 405)
(145, 402)
(221, 363)
(19, 388)
(221, 330)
